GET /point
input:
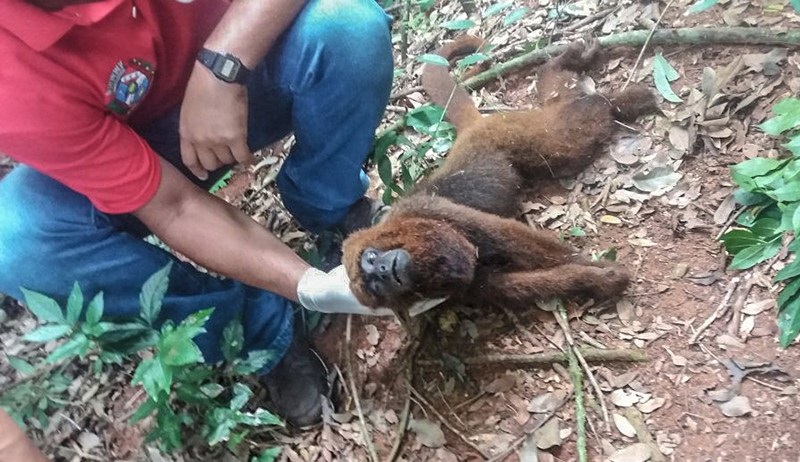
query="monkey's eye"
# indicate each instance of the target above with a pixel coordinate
(371, 256)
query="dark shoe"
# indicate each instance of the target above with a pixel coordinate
(297, 384)
(363, 214)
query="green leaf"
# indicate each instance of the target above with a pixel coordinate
(789, 291)
(790, 192)
(20, 365)
(144, 410)
(787, 116)
(212, 390)
(751, 256)
(45, 308)
(430, 58)
(260, 418)
(471, 60)
(758, 166)
(498, 8)
(153, 376)
(737, 240)
(47, 333)
(789, 322)
(94, 312)
(220, 422)
(76, 346)
(748, 198)
(795, 4)
(180, 352)
(74, 304)
(152, 295)
(254, 362)
(515, 16)
(789, 271)
(663, 74)
(766, 228)
(241, 393)
(271, 454)
(794, 142)
(458, 24)
(232, 340)
(702, 5)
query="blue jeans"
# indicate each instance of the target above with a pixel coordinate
(327, 80)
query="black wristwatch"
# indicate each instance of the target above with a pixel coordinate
(225, 67)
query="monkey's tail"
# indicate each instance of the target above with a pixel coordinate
(442, 87)
(632, 103)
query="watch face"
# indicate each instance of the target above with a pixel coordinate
(228, 68)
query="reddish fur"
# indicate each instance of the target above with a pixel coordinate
(458, 224)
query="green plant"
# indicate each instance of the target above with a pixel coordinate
(183, 393)
(770, 189)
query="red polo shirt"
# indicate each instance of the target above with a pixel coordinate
(74, 83)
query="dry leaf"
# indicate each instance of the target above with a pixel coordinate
(755, 308)
(548, 435)
(428, 433)
(651, 405)
(736, 407)
(622, 398)
(679, 137)
(611, 220)
(623, 425)
(638, 452)
(547, 402)
(725, 210)
(373, 335)
(502, 384)
(628, 149)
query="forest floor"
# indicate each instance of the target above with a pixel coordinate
(660, 196)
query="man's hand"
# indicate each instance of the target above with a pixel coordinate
(330, 293)
(213, 125)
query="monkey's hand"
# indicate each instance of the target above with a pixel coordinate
(330, 293)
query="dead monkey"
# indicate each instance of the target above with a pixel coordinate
(454, 235)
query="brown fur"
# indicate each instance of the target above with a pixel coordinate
(458, 224)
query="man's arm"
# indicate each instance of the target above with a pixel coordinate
(214, 113)
(218, 236)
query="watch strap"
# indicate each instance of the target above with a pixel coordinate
(225, 67)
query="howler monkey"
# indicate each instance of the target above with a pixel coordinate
(454, 235)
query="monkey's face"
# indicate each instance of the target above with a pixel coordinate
(404, 260)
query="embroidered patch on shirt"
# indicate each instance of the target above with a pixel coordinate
(128, 85)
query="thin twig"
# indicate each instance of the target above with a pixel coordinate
(576, 377)
(646, 42)
(405, 92)
(548, 358)
(719, 312)
(564, 324)
(730, 222)
(406, 412)
(750, 280)
(373, 455)
(589, 19)
(445, 422)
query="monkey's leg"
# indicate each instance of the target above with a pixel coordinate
(522, 289)
(558, 77)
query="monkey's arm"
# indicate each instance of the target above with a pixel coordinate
(522, 289)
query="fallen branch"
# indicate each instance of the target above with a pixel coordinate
(547, 358)
(373, 455)
(644, 46)
(406, 412)
(445, 422)
(637, 38)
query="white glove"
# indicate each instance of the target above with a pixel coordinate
(330, 293)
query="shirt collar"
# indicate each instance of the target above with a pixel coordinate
(41, 29)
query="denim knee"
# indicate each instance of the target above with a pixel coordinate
(356, 39)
